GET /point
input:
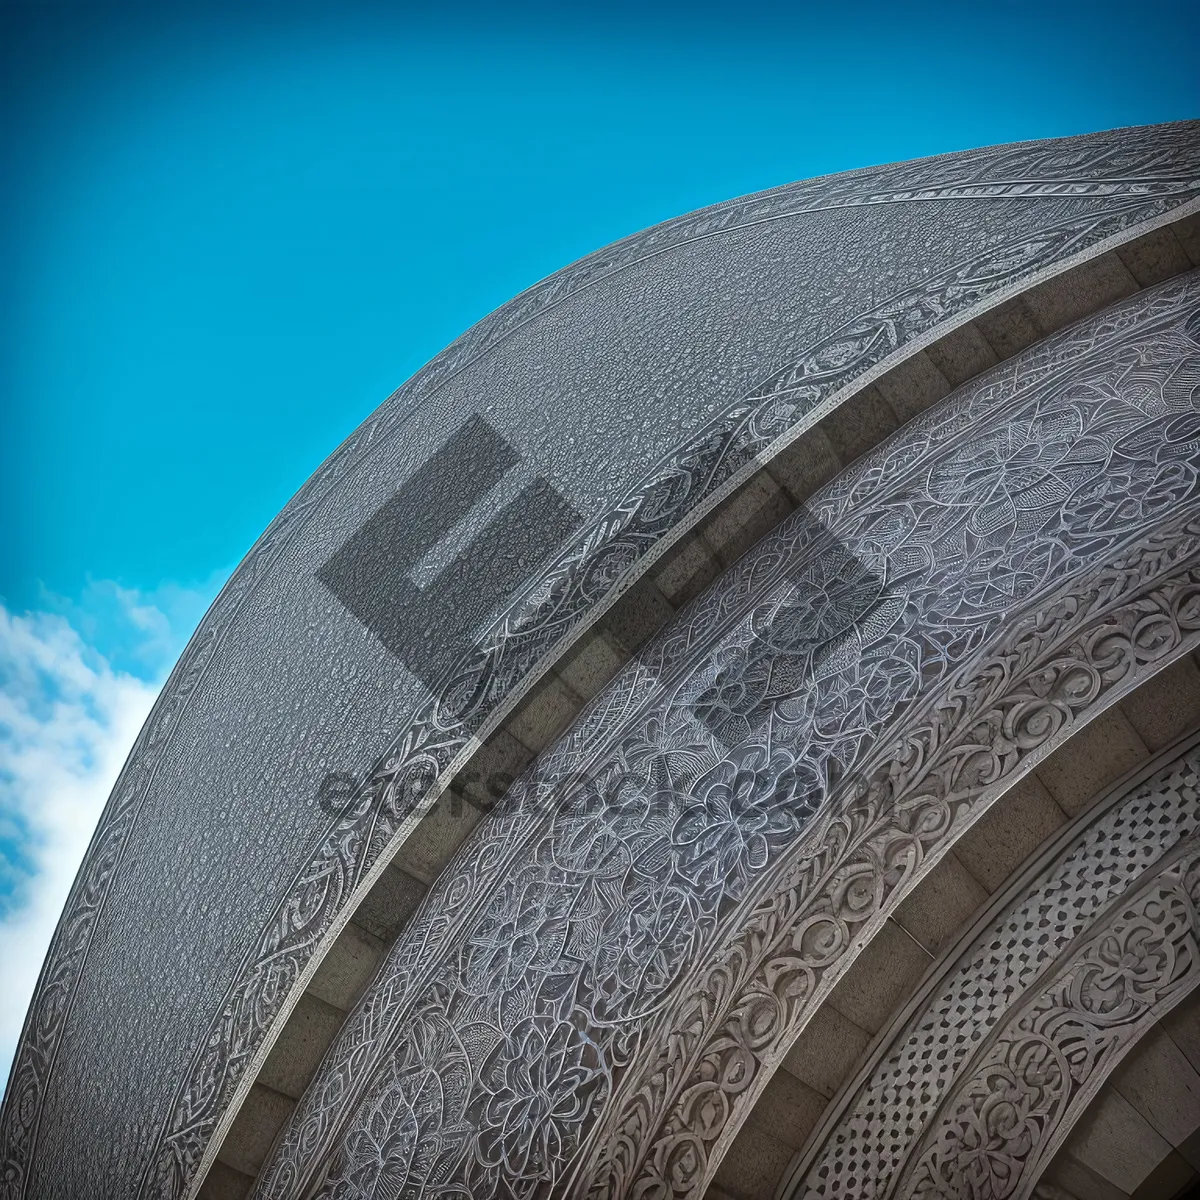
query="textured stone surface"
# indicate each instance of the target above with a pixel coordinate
(438, 836)
(1161, 714)
(540, 718)
(1163, 1086)
(826, 1051)
(1079, 1180)
(224, 1183)
(862, 422)
(1094, 758)
(754, 1162)
(1009, 832)
(1154, 256)
(1009, 328)
(389, 904)
(917, 383)
(348, 966)
(285, 684)
(1118, 1143)
(887, 968)
(300, 1047)
(790, 1109)
(590, 664)
(942, 906)
(1095, 285)
(962, 354)
(262, 1116)
(745, 517)
(797, 688)
(807, 464)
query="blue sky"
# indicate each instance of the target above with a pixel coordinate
(229, 231)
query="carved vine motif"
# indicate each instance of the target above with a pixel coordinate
(584, 575)
(1030, 1082)
(617, 899)
(1110, 849)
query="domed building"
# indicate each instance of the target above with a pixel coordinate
(729, 726)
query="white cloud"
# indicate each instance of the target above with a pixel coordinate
(68, 718)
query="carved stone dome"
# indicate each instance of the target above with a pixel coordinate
(727, 726)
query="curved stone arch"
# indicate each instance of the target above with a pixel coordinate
(1049, 921)
(520, 650)
(1127, 572)
(271, 974)
(728, 531)
(1138, 1134)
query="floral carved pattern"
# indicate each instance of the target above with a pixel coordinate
(1035, 1076)
(688, 950)
(1033, 929)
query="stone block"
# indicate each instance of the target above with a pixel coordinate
(224, 1183)
(254, 1130)
(859, 424)
(788, 1109)
(590, 664)
(1009, 832)
(685, 570)
(639, 614)
(1094, 757)
(1009, 327)
(806, 465)
(543, 714)
(1117, 1142)
(962, 354)
(915, 384)
(305, 1037)
(348, 967)
(826, 1051)
(1167, 1181)
(1068, 1173)
(1189, 1150)
(1162, 1085)
(387, 906)
(1079, 292)
(492, 769)
(439, 834)
(1182, 1026)
(941, 905)
(1154, 256)
(741, 520)
(1166, 706)
(1187, 232)
(886, 971)
(753, 1165)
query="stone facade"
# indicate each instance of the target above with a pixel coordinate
(781, 542)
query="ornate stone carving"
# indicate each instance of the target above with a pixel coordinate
(602, 561)
(1037, 539)
(1138, 184)
(1011, 1111)
(1041, 932)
